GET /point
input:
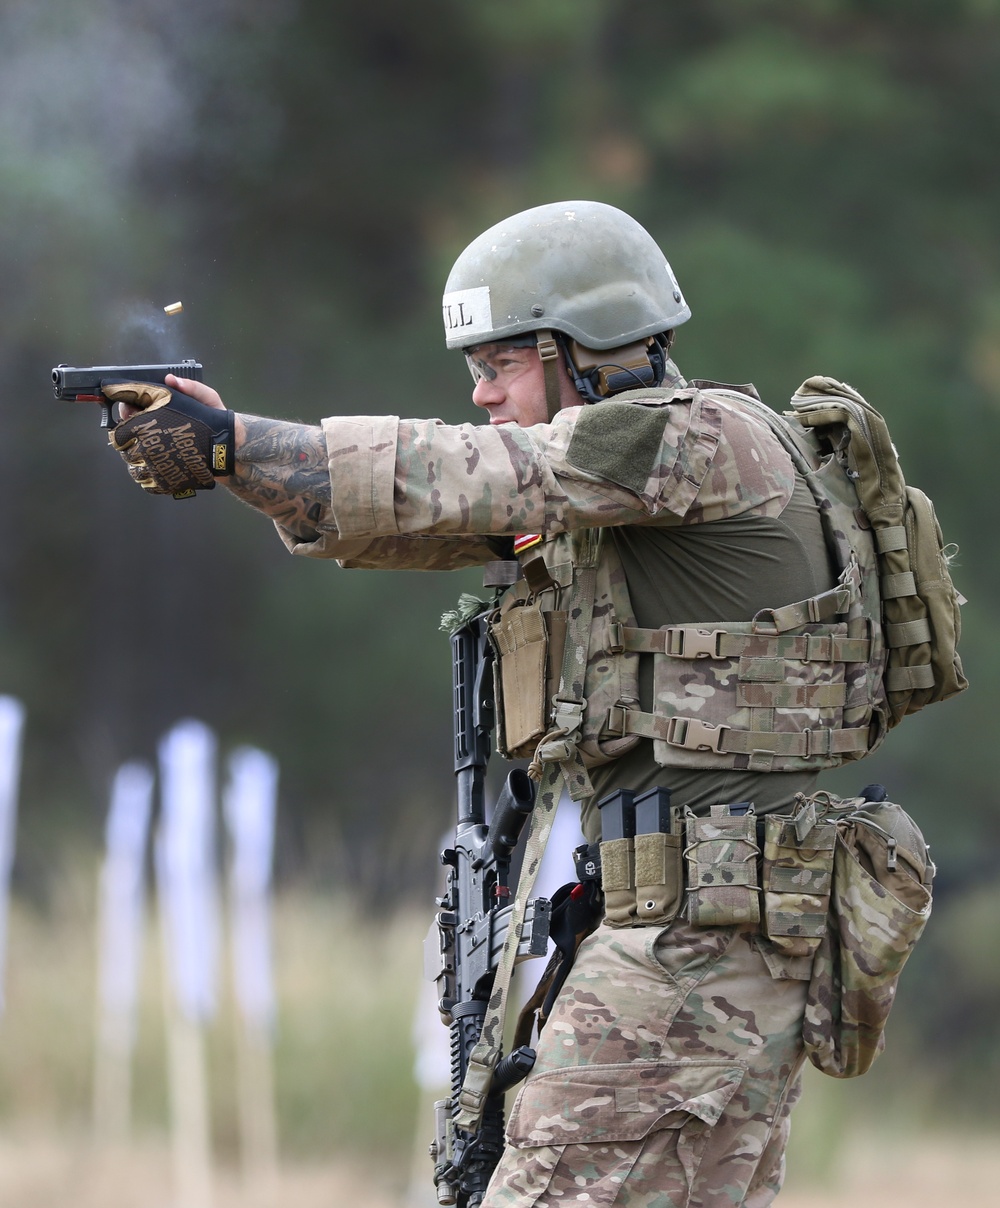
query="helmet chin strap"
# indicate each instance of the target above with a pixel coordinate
(548, 353)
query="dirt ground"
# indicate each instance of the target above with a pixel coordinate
(36, 1172)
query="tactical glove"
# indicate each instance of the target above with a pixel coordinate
(175, 445)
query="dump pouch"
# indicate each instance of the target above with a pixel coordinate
(880, 904)
(721, 856)
(796, 879)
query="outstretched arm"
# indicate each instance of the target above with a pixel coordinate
(694, 460)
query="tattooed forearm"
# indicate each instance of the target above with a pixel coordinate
(281, 469)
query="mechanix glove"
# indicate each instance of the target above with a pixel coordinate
(175, 445)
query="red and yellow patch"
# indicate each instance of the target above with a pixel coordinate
(525, 541)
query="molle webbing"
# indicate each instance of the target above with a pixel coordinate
(690, 642)
(691, 734)
(757, 663)
(760, 684)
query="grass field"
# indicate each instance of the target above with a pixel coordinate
(52, 1172)
(352, 1126)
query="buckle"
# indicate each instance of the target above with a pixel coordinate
(616, 642)
(834, 602)
(617, 717)
(567, 714)
(818, 742)
(695, 735)
(690, 643)
(548, 349)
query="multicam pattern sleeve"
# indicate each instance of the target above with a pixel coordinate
(421, 493)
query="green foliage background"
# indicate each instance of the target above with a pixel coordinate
(301, 173)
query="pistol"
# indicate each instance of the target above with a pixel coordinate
(84, 385)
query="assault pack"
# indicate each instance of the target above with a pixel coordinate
(832, 431)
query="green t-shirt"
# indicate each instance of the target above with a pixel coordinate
(726, 570)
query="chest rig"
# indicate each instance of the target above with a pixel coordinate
(797, 686)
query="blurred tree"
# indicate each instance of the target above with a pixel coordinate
(302, 174)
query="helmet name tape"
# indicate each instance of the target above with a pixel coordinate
(467, 312)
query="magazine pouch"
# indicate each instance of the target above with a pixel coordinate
(618, 882)
(796, 879)
(659, 878)
(721, 858)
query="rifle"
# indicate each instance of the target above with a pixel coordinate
(472, 922)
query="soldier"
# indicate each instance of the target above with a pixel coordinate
(670, 518)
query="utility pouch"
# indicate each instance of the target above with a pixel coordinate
(796, 877)
(721, 856)
(520, 639)
(659, 878)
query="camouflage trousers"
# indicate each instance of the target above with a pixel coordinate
(665, 1076)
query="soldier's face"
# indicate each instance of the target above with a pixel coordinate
(510, 385)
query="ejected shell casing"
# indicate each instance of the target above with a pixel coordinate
(174, 308)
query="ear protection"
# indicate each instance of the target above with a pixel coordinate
(598, 374)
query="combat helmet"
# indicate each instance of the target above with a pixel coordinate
(577, 273)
